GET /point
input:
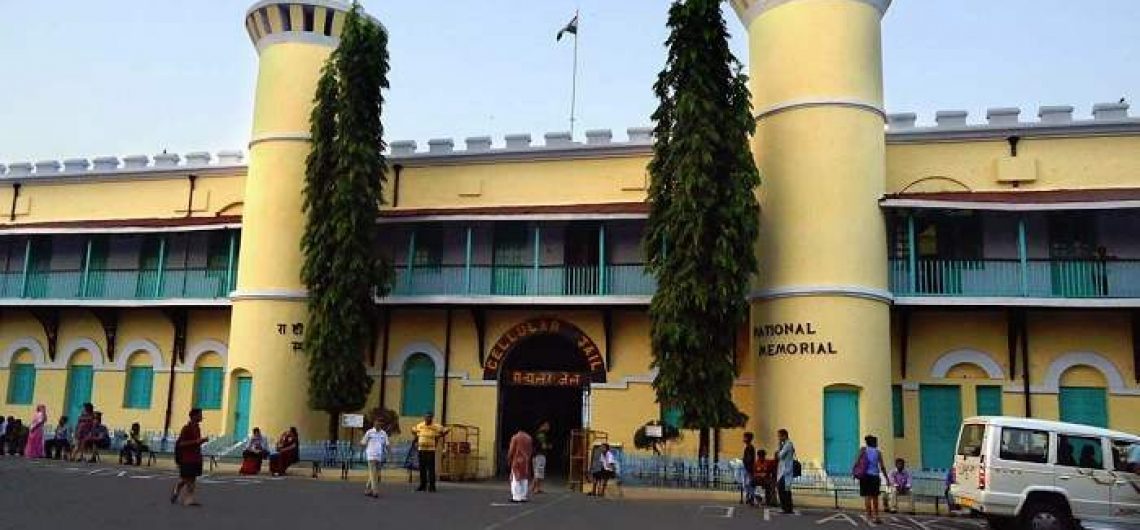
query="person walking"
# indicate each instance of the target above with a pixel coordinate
(428, 436)
(375, 444)
(541, 449)
(869, 470)
(519, 453)
(188, 456)
(34, 447)
(785, 470)
(748, 459)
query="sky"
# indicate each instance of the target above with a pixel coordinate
(82, 79)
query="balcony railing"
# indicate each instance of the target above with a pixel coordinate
(1035, 278)
(523, 280)
(118, 284)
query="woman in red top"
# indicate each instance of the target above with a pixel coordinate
(288, 452)
(765, 476)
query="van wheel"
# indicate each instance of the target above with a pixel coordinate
(1046, 516)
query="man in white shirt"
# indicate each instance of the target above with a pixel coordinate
(604, 469)
(375, 444)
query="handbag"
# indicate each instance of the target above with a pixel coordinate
(860, 468)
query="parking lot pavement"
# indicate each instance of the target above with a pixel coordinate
(60, 494)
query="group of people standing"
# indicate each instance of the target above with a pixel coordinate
(773, 477)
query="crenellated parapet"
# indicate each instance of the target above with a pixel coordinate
(520, 144)
(105, 165)
(1006, 121)
(270, 22)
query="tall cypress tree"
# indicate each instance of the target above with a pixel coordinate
(344, 178)
(703, 218)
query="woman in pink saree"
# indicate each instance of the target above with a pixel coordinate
(34, 448)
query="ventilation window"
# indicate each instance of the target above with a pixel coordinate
(329, 14)
(308, 13)
(283, 12)
(263, 14)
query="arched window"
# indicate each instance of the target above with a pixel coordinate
(419, 386)
(21, 384)
(140, 381)
(1083, 397)
(208, 382)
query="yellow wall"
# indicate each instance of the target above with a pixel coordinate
(1060, 163)
(109, 382)
(1053, 334)
(123, 198)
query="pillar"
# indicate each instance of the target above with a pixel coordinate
(816, 83)
(293, 40)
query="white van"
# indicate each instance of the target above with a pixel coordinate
(1046, 475)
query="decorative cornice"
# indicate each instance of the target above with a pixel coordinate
(821, 102)
(851, 291)
(296, 136)
(289, 295)
(749, 10)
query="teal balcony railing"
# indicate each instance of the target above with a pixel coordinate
(1035, 278)
(117, 284)
(523, 280)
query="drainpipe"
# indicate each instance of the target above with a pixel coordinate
(1025, 363)
(398, 168)
(446, 368)
(15, 195)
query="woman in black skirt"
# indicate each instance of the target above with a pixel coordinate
(870, 470)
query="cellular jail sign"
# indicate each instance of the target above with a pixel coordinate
(545, 326)
(790, 338)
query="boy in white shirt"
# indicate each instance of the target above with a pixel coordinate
(375, 444)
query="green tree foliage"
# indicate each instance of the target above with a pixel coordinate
(703, 218)
(344, 178)
(642, 440)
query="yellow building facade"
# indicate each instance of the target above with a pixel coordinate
(911, 275)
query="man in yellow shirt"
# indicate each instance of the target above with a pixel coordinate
(428, 436)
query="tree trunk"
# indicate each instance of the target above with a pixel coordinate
(333, 430)
(703, 447)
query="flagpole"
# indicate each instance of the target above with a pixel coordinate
(574, 77)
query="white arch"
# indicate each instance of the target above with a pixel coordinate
(203, 347)
(1058, 367)
(63, 359)
(26, 343)
(396, 365)
(135, 346)
(953, 358)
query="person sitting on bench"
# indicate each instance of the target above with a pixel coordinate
(100, 438)
(60, 443)
(133, 448)
(253, 454)
(898, 485)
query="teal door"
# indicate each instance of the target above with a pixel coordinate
(241, 407)
(940, 416)
(840, 429)
(510, 260)
(989, 400)
(79, 380)
(1084, 405)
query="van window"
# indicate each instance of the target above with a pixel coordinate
(1024, 445)
(970, 443)
(1121, 449)
(1079, 451)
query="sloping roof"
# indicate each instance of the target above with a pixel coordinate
(1087, 199)
(151, 224)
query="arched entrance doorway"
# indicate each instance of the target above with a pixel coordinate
(544, 368)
